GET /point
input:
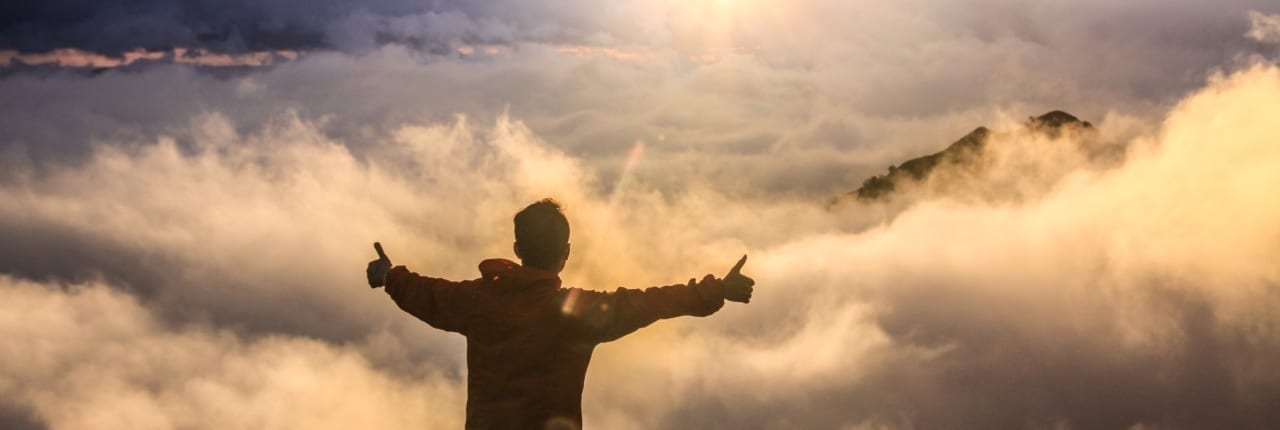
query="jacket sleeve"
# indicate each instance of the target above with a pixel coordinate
(444, 304)
(615, 314)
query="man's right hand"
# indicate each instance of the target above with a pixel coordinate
(738, 287)
(377, 271)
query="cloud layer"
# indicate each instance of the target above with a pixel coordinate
(182, 246)
(228, 280)
(89, 356)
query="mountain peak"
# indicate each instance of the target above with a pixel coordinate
(966, 150)
(1057, 119)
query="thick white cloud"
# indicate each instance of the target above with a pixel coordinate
(88, 356)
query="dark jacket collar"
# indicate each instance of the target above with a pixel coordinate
(504, 273)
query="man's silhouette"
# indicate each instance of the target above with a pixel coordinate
(528, 339)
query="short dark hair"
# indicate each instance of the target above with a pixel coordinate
(542, 233)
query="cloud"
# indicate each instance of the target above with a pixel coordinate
(590, 107)
(1263, 27)
(848, 88)
(180, 243)
(866, 37)
(1102, 305)
(889, 81)
(237, 26)
(182, 281)
(89, 356)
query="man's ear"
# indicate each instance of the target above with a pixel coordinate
(566, 251)
(515, 246)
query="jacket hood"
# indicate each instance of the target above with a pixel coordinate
(503, 273)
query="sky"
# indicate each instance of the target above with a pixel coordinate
(189, 191)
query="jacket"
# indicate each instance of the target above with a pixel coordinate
(529, 340)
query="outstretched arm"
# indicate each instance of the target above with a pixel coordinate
(442, 303)
(620, 312)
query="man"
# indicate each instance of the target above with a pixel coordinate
(528, 339)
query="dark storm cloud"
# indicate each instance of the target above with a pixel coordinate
(1106, 36)
(114, 27)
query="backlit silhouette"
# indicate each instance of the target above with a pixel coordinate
(529, 340)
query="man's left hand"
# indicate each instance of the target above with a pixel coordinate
(738, 287)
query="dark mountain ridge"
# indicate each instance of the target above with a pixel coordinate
(967, 151)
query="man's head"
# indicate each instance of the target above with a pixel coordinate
(542, 236)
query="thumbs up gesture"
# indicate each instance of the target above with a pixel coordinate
(377, 271)
(738, 287)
